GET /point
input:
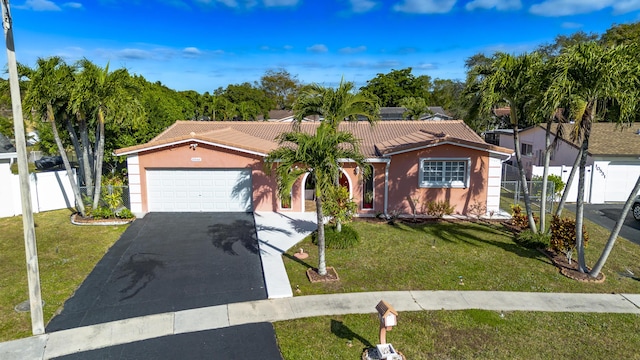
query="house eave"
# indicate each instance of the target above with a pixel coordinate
(180, 142)
(479, 148)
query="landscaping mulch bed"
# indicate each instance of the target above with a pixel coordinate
(76, 219)
(331, 275)
(571, 270)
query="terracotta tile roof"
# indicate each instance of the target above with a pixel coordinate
(392, 136)
(608, 139)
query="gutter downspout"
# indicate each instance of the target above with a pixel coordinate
(386, 188)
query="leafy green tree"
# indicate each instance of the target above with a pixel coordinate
(416, 108)
(564, 41)
(621, 34)
(587, 76)
(318, 154)
(510, 80)
(245, 92)
(391, 88)
(449, 94)
(281, 87)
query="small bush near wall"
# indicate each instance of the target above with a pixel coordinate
(439, 208)
(345, 239)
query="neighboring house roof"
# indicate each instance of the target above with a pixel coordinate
(384, 138)
(607, 139)
(397, 113)
(503, 111)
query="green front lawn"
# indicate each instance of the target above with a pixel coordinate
(432, 256)
(470, 334)
(66, 255)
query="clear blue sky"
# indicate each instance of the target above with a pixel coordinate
(204, 44)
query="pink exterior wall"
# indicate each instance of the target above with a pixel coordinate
(403, 177)
(210, 157)
(403, 180)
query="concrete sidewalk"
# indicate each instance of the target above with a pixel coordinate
(153, 326)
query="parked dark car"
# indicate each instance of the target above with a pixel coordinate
(635, 209)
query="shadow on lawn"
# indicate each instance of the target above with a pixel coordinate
(339, 329)
(468, 233)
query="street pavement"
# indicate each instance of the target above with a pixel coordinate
(606, 216)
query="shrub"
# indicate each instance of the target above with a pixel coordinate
(101, 213)
(532, 240)
(558, 184)
(563, 235)
(125, 213)
(345, 239)
(439, 208)
(519, 218)
(337, 204)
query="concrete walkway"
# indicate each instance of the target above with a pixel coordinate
(277, 233)
(75, 340)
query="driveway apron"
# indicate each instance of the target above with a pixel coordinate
(168, 262)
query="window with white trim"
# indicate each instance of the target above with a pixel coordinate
(526, 149)
(444, 172)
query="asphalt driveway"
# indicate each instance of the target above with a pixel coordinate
(167, 262)
(606, 215)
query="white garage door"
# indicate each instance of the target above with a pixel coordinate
(195, 190)
(621, 178)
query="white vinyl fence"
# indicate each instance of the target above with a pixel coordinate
(49, 191)
(563, 172)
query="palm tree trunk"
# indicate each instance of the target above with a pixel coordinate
(523, 180)
(614, 232)
(86, 148)
(322, 266)
(580, 200)
(545, 173)
(76, 146)
(65, 160)
(565, 193)
(98, 164)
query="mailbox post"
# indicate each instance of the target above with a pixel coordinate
(388, 319)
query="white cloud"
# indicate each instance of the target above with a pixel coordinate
(571, 25)
(191, 52)
(73, 5)
(500, 5)
(425, 66)
(573, 7)
(134, 54)
(270, 3)
(625, 6)
(318, 48)
(229, 3)
(362, 6)
(353, 50)
(425, 6)
(39, 5)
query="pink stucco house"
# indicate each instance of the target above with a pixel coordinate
(218, 166)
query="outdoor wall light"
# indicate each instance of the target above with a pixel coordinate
(193, 146)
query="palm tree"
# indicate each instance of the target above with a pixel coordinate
(48, 95)
(510, 80)
(336, 105)
(318, 154)
(105, 96)
(587, 76)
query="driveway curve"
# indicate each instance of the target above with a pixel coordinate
(167, 262)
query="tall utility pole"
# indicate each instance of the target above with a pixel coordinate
(33, 273)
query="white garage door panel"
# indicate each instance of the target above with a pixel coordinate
(621, 178)
(199, 190)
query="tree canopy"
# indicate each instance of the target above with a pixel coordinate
(396, 85)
